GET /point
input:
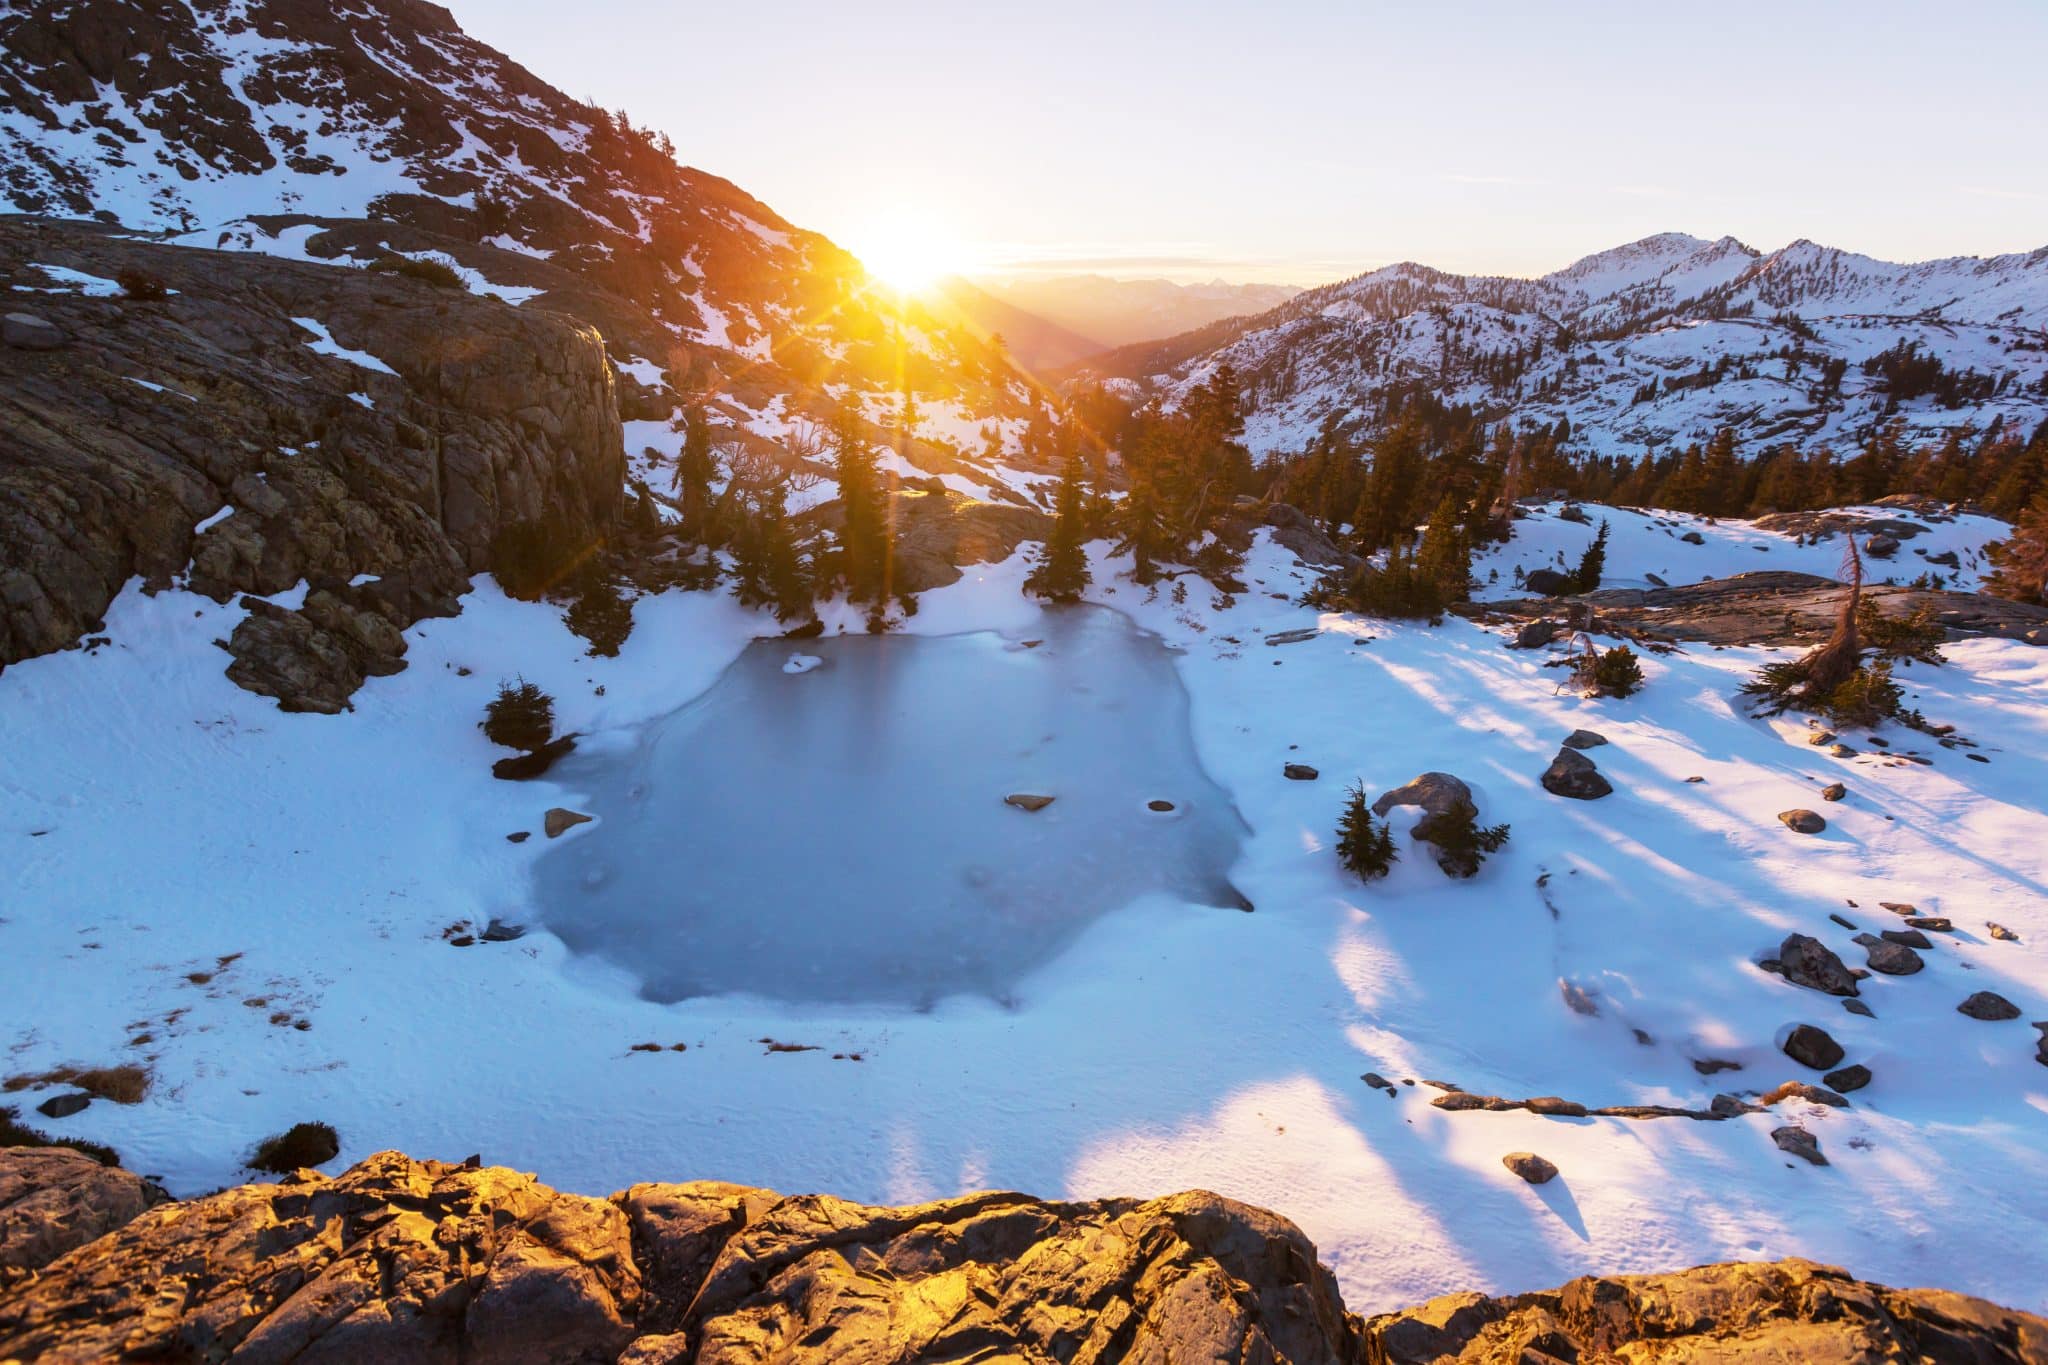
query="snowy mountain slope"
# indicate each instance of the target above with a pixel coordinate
(1645, 541)
(315, 865)
(275, 125)
(1658, 342)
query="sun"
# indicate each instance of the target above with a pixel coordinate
(908, 253)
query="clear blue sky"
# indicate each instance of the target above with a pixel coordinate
(1307, 139)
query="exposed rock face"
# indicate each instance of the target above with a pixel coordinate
(1788, 1310)
(1770, 608)
(398, 1259)
(155, 416)
(938, 532)
(53, 1200)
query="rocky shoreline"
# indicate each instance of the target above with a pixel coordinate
(402, 1259)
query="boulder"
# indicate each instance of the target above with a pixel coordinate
(1989, 1006)
(1893, 959)
(1536, 634)
(1799, 1143)
(1584, 739)
(1693, 538)
(1848, 1078)
(1442, 797)
(1299, 772)
(1530, 1167)
(1802, 821)
(1806, 961)
(1810, 1046)
(1912, 938)
(1571, 774)
(1881, 547)
(1833, 791)
(558, 820)
(1550, 583)
(64, 1106)
(1939, 924)
(1030, 801)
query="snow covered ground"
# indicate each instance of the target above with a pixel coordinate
(265, 896)
(1643, 542)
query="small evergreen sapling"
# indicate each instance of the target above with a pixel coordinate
(521, 717)
(1592, 564)
(1462, 843)
(1364, 847)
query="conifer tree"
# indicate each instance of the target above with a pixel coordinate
(866, 540)
(1445, 560)
(1062, 570)
(695, 468)
(2020, 562)
(1593, 563)
(768, 569)
(1366, 849)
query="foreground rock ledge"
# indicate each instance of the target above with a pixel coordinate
(398, 1259)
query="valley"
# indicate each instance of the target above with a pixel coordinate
(524, 673)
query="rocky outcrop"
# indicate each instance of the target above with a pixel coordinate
(418, 1260)
(1787, 1310)
(372, 451)
(938, 532)
(1769, 608)
(397, 1259)
(54, 1200)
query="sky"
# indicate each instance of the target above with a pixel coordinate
(1304, 140)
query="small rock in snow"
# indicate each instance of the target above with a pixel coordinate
(1027, 801)
(1300, 772)
(1813, 1047)
(1530, 1167)
(1802, 821)
(1799, 1143)
(63, 1106)
(559, 819)
(1833, 791)
(1989, 1006)
(1848, 1078)
(1584, 739)
(1572, 774)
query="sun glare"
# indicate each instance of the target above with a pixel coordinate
(907, 253)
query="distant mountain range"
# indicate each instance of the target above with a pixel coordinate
(1662, 340)
(1114, 312)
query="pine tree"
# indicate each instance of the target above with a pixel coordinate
(1593, 563)
(695, 468)
(1366, 849)
(1445, 560)
(768, 569)
(1062, 570)
(2020, 562)
(866, 540)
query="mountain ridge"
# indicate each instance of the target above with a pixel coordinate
(1658, 341)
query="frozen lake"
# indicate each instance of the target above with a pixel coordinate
(827, 822)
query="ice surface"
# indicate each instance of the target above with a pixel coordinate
(839, 832)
